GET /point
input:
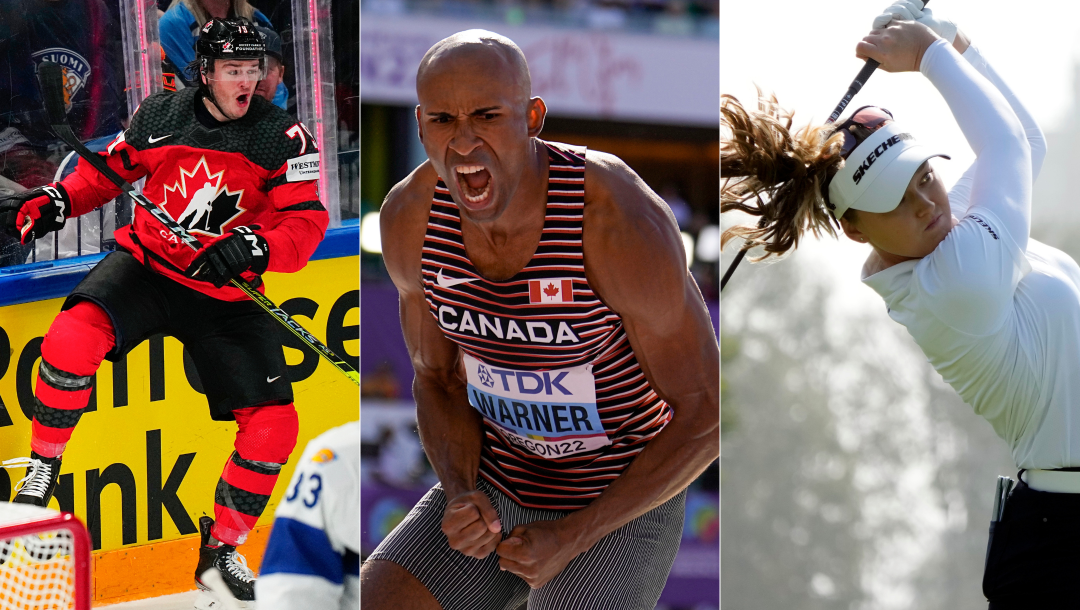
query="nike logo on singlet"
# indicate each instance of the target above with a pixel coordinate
(446, 282)
(268, 380)
(152, 139)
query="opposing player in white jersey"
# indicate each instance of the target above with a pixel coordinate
(996, 312)
(312, 559)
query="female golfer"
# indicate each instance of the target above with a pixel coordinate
(997, 313)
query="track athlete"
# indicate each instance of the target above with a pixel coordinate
(567, 374)
(264, 215)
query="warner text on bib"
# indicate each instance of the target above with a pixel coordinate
(549, 413)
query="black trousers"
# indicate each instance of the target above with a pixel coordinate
(236, 346)
(1034, 560)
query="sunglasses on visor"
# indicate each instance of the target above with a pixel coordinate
(860, 125)
(856, 128)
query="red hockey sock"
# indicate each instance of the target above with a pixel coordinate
(266, 437)
(71, 353)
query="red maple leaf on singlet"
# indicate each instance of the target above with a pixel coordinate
(551, 290)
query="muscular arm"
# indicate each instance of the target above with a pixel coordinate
(635, 261)
(450, 429)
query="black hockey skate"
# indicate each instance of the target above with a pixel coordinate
(233, 568)
(38, 485)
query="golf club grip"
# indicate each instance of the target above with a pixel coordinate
(864, 74)
(855, 86)
(51, 79)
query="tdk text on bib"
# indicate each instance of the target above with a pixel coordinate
(549, 413)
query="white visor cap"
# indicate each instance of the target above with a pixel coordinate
(876, 174)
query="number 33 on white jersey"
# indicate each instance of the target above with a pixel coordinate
(313, 557)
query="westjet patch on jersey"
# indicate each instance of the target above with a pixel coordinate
(200, 201)
(76, 68)
(549, 413)
(557, 290)
(303, 168)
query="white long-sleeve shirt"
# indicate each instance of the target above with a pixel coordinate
(312, 559)
(996, 313)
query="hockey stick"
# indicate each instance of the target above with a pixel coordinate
(855, 86)
(50, 77)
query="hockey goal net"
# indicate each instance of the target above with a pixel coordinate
(44, 559)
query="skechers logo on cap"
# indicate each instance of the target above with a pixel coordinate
(877, 152)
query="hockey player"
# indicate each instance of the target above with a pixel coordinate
(312, 559)
(179, 27)
(264, 216)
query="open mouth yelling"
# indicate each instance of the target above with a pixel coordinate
(475, 184)
(243, 99)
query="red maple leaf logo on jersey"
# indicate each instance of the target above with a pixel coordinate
(210, 205)
(551, 290)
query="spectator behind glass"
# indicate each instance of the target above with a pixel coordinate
(179, 30)
(84, 38)
(271, 88)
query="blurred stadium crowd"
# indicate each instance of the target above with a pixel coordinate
(665, 17)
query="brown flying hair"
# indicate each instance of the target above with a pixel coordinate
(777, 175)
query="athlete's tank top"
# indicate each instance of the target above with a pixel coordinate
(566, 406)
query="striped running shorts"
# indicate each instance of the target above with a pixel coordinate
(625, 570)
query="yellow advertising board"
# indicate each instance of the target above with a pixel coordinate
(143, 462)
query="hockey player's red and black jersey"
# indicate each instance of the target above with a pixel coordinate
(258, 171)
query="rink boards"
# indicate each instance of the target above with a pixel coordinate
(143, 463)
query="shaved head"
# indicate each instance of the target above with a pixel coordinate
(478, 122)
(497, 55)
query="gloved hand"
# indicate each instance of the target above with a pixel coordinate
(239, 250)
(34, 213)
(912, 10)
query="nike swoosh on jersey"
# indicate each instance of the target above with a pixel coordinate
(446, 282)
(153, 140)
(268, 380)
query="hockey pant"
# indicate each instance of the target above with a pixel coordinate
(71, 353)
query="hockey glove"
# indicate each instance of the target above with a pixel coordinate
(230, 255)
(32, 214)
